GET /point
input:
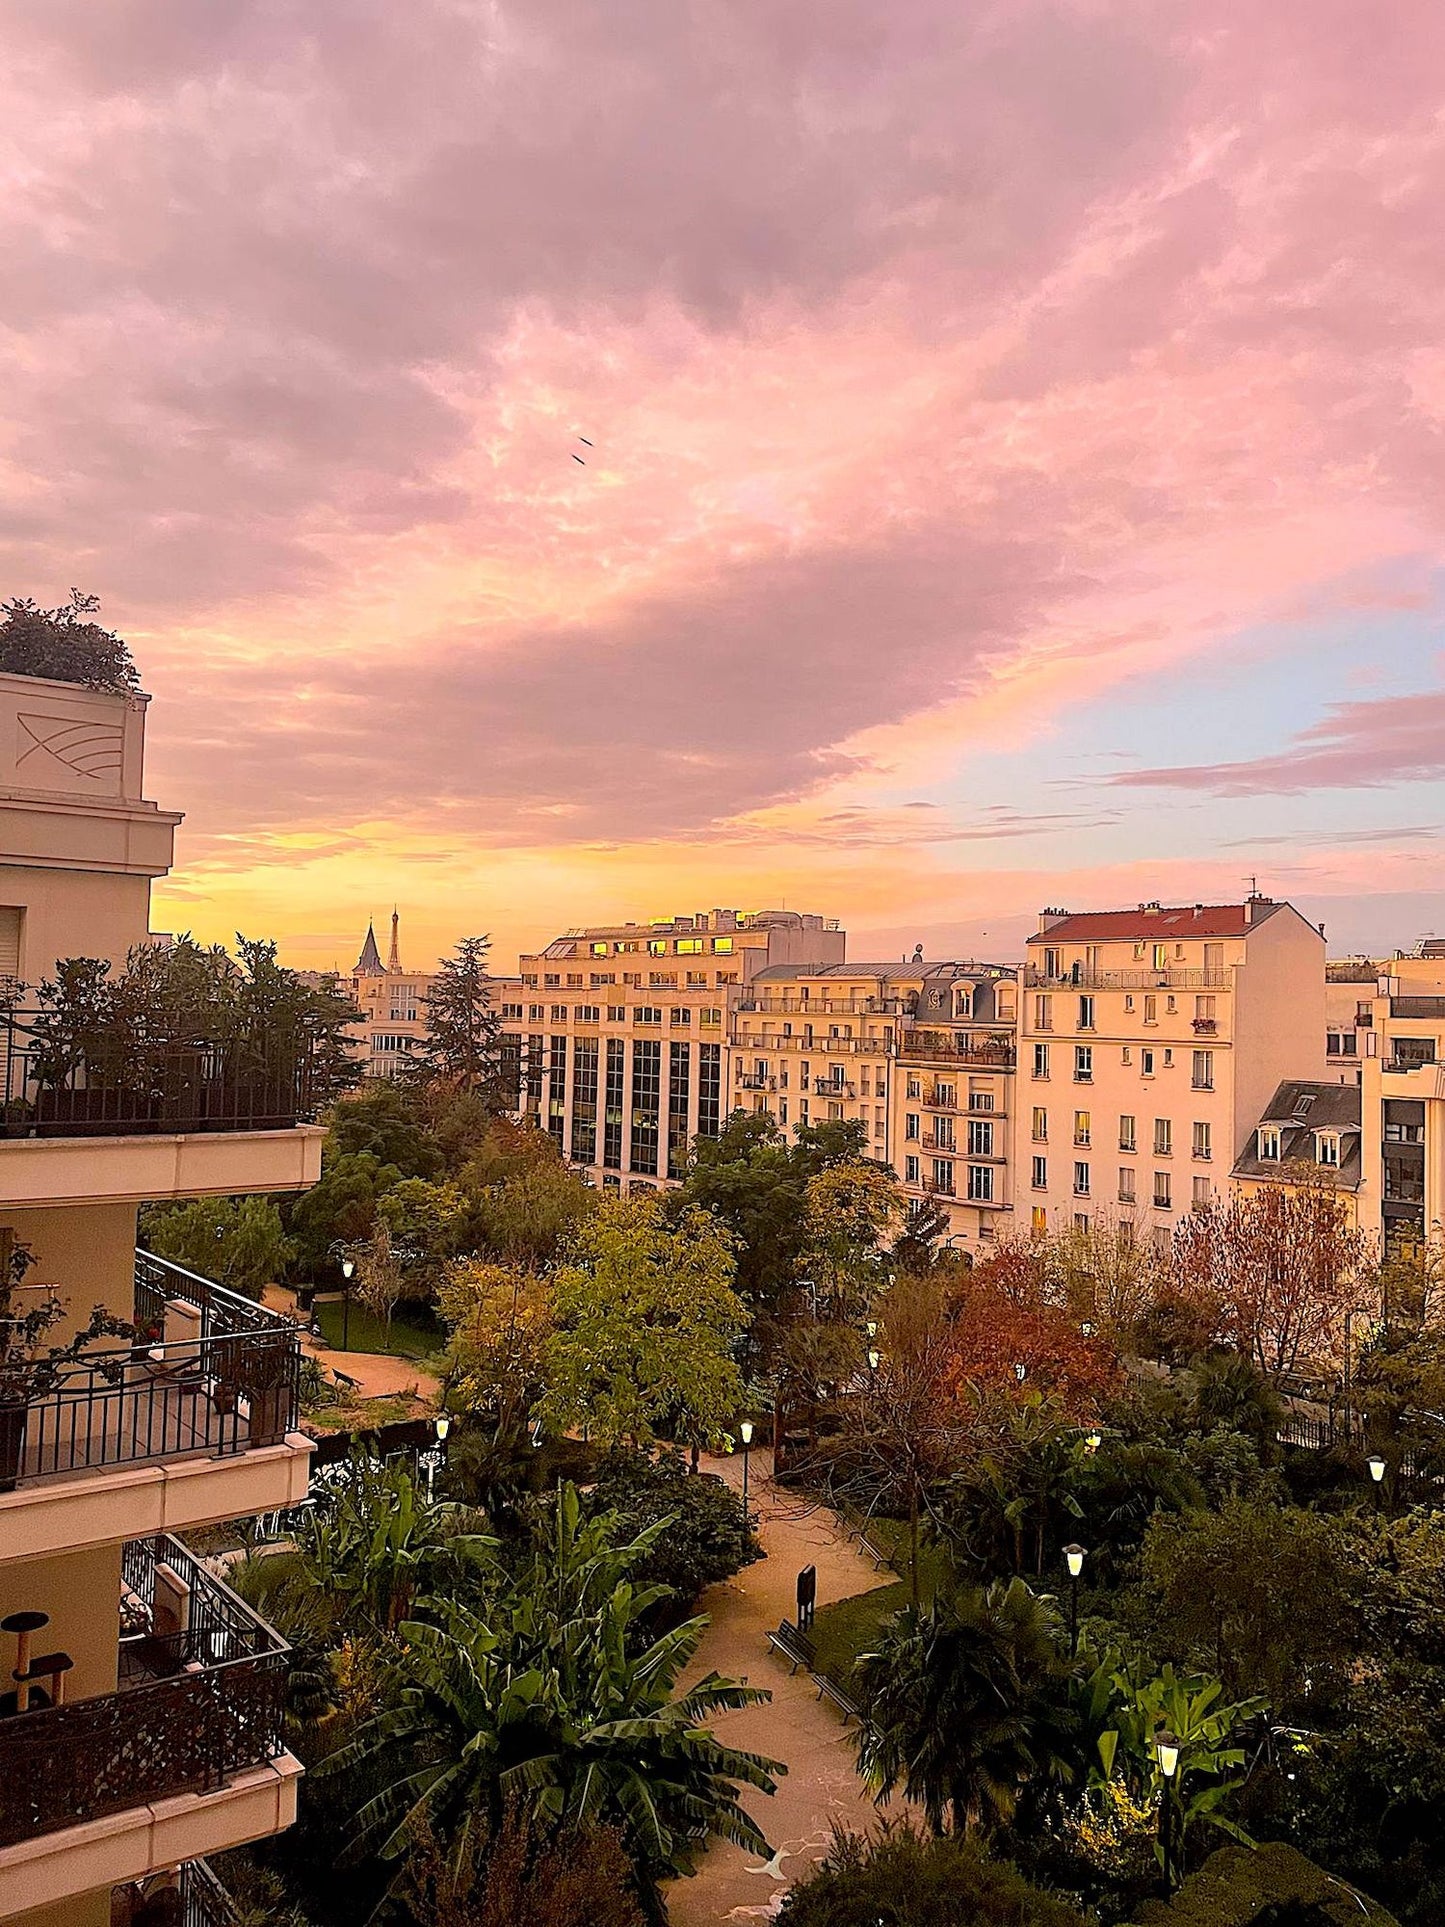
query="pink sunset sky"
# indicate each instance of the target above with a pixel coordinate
(1016, 470)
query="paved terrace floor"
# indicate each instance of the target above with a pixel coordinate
(821, 1785)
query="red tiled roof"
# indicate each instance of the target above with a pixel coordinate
(1172, 920)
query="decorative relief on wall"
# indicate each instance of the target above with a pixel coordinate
(88, 748)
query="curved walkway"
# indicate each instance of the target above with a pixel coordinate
(820, 1786)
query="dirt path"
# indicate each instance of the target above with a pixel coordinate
(377, 1374)
(821, 1785)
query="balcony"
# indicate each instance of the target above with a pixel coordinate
(826, 1006)
(190, 1897)
(1168, 977)
(757, 1081)
(957, 1047)
(185, 1757)
(931, 1141)
(94, 1111)
(191, 1422)
(940, 1098)
(835, 1088)
(1206, 1026)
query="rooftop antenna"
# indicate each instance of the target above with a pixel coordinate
(1253, 883)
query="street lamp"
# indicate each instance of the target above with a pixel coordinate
(745, 1433)
(1167, 1749)
(1074, 1558)
(443, 1426)
(1092, 1442)
(871, 1327)
(1021, 1372)
(1088, 1328)
(348, 1272)
(1377, 1473)
(875, 1358)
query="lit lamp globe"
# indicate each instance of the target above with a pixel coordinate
(443, 1425)
(348, 1268)
(1377, 1467)
(1074, 1555)
(1093, 1441)
(1167, 1748)
(875, 1358)
(745, 1431)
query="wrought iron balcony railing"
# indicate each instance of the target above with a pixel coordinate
(114, 1083)
(198, 1703)
(208, 1372)
(192, 1896)
(1142, 977)
(959, 1047)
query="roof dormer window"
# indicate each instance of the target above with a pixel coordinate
(1327, 1148)
(1268, 1136)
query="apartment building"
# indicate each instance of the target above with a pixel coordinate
(1402, 1103)
(392, 1002)
(1151, 1041)
(141, 1702)
(622, 1032)
(1310, 1130)
(921, 1054)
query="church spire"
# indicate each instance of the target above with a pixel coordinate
(393, 962)
(368, 964)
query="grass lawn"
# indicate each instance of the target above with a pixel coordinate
(366, 1333)
(848, 1627)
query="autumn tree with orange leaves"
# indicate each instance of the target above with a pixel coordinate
(1279, 1268)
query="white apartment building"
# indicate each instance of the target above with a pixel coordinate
(1151, 1042)
(622, 1032)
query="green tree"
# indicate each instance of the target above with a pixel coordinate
(965, 1707)
(754, 1182)
(338, 1211)
(647, 1319)
(707, 1536)
(461, 1051)
(384, 1121)
(238, 1242)
(852, 1209)
(1253, 1592)
(500, 1321)
(527, 1217)
(944, 1881)
(543, 1701)
(380, 1276)
(64, 645)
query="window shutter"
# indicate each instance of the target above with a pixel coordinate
(9, 941)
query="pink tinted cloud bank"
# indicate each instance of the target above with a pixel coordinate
(943, 368)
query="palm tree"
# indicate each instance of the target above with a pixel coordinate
(965, 1707)
(542, 1700)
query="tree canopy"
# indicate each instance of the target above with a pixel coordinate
(65, 645)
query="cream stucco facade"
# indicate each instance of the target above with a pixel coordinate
(1151, 1042)
(164, 1430)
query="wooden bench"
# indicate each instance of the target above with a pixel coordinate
(829, 1690)
(795, 1647)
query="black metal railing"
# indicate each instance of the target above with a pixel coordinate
(207, 1372)
(958, 1048)
(204, 1901)
(120, 1083)
(185, 1732)
(192, 1896)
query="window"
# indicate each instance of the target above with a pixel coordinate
(1081, 1180)
(722, 946)
(980, 1138)
(1083, 1063)
(1086, 1013)
(1327, 1148)
(657, 947)
(588, 1013)
(1127, 1138)
(945, 1097)
(599, 949)
(1041, 1174)
(1202, 1189)
(710, 1019)
(915, 1088)
(1163, 1137)
(558, 1013)
(1043, 1012)
(910, 1170)
(980, 1096)
(1041, 1060)
(911, 1124)
(1268, 1143)
(1162, 1191)
(980, 1183)
(617, 1013)
(1041, 1125)
(1204, 1011)
(1039, 1220)
(1082, 1127)
(1203, 1076)
(1146, 1063)
(1151, 1009)
(1161, 956)
(1081, 1221)
(943, 1176)
(511, 1013)
(647, 1014)
(551, 980)
(1127, 1192)
(1052, 963)
(689, 946)
(681, 1018)
(1202, 1141)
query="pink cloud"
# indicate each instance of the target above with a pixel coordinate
(943, 366)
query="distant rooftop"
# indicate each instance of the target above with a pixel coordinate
(1148, 920)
